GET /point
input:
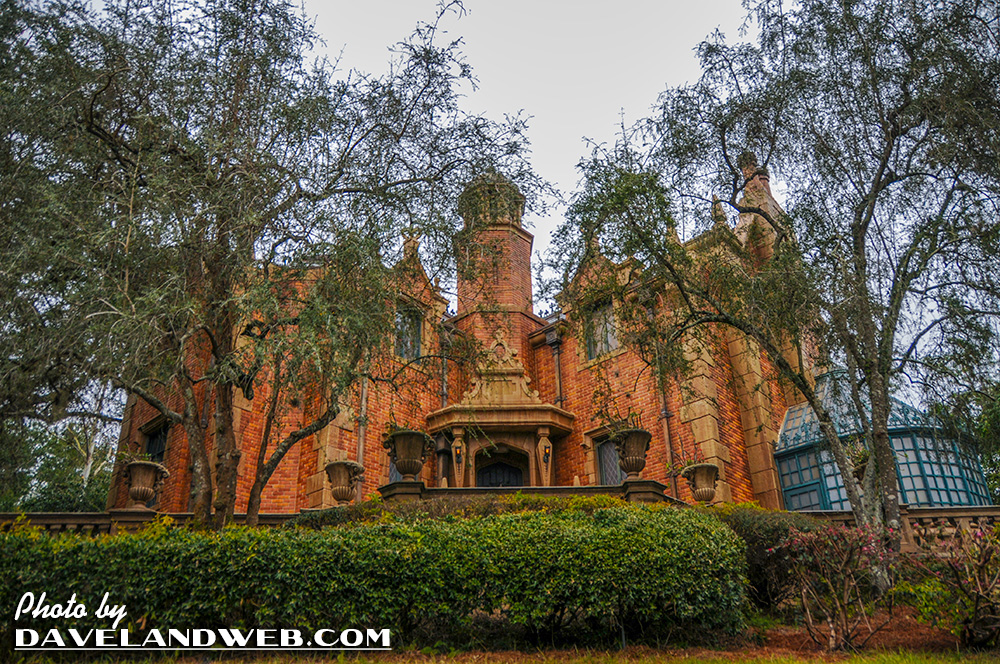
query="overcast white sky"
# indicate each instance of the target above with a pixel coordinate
(573, 67)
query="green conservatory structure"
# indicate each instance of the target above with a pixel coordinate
(933, 471)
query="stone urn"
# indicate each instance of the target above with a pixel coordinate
(702, 478)
(344, 478)
(408, 449)
(144, 479)
(632, 445)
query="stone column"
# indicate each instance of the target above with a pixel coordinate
(543, 454)
(459, 452)
(325, 443)
(754, 395)
(701, 412)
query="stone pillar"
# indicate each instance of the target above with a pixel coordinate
(790, 352)
(701, 412)
(459, 455)
(318, 493)
(543, 454)
(756, 417)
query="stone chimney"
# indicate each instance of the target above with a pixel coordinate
(752, 229)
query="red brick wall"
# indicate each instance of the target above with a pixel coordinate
(416, 392)
(498, 271)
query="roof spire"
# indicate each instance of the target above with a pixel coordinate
(410, 244)
(718, 214)
(753, 173)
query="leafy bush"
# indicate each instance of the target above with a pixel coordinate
(960, 588)
(68, 494)
(836, 570)
(375, 510)
(769, 570)
(621, 568)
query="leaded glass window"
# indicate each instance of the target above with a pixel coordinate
(607, 461)
(833, 482)
(156, 443)
(408, 324)
(601, 335)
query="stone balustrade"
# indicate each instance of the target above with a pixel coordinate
(921, 522)
(115, 521)
(918, 522)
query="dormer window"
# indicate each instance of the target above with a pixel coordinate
(601, 335)
(409, 321)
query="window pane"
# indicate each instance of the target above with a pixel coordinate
(408, 333)
(600, 331)
(156, 443)
(610, 471)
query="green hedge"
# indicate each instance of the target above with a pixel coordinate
(465, 507)
(574, 574)
(769, 570)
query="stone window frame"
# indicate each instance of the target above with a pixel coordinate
(600, 331)
(413, 307)
(592, 440)
(148, 431)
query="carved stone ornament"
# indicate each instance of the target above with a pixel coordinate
(501, 379)
(543, 450)
(144, 479)
(632, 445)
(344, 476)
(408, 449)
(702, 477)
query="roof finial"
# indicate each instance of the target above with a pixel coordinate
(410, 244)
(491, 198)
(752, 171)
(718, 214)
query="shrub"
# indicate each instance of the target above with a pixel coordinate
(631, 569)
(836, 570)
(769, 570)
(427, 580)
(960, 588)
(374, 509)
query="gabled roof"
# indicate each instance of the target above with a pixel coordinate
(420, 286)
(801, 427)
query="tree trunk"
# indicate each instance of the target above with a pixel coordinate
(253, 504)
(860, 506)
(265, 470)
(227, 466)
(88, 463)
(261, 476)
(201, 472)
(885, 458)
(223, 330)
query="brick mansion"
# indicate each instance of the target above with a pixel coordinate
(526, 415)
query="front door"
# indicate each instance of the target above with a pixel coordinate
(499, 474)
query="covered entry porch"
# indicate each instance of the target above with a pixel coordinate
(499, 446)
